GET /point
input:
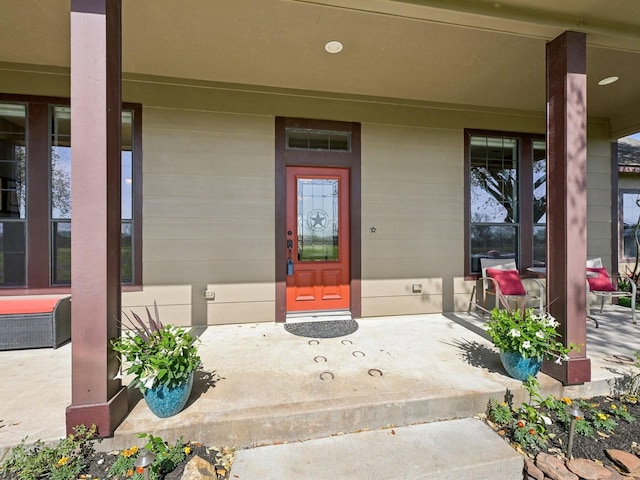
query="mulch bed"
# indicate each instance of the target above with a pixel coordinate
(625, 436)
(100, 462)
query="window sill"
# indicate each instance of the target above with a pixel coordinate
(56, 290)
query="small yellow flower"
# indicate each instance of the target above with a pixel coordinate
(602, 416)
(566, 400)
(187, 450)
(129, 452)
(63, 461)
(613, 406)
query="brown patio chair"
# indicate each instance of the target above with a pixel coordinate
(500, 276)
(605, 286)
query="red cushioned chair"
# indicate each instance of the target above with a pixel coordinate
(500, 276)
(605, 286)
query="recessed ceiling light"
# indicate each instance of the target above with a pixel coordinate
(608, 81)
(333, 46)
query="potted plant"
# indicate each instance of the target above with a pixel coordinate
(162, 359)
(525, 338)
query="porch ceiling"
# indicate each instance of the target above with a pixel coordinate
(483, 53)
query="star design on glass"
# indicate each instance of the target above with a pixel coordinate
(317, 220)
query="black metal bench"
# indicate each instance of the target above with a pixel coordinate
(34, 322)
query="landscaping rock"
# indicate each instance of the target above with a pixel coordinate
(615, 474)
(588, 469)
(532, 471)
(553, 467)
(199, 469)
(627, 461)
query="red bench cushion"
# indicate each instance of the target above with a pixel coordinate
(27, 305)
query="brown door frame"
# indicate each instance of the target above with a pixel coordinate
(350, 160)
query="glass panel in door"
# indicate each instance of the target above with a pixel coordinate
(318, 226)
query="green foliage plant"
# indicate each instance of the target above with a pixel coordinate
(620, 411)
(124, 465)
(168, 457)
(528, 435)
(604, 423)
(157, 354)
(526, 424)
(532, 334)
(600, 420)
(558, 407)
(499, 413)
(584, 428)
(64, 461)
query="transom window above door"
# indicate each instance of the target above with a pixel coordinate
(308, 139)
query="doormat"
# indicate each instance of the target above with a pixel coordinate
(322, 329)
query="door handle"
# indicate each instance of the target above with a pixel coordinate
(289, 259)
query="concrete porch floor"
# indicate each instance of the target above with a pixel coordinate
(263, 385)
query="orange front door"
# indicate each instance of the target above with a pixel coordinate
(317, 239)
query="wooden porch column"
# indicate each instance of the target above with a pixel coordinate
(567, 199)
(96, 398)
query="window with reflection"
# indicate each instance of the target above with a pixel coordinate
(507, 198)
(35, 137)
(630, 221)
(539, 203)
(60, 195)
(12, 195)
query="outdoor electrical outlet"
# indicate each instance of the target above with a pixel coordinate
(209, 294)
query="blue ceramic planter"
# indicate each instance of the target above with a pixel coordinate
(165, 402)
(518, 367)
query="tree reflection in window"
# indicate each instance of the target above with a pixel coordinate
(497, 180)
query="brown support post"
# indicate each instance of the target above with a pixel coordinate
(567, 200)
(96, 396)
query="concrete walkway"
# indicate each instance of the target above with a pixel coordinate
(436, 451)
(265, 386)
